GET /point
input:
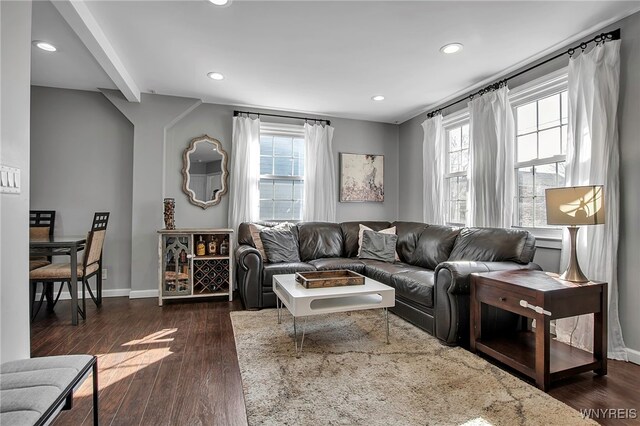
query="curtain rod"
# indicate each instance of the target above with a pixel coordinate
(237, 113)
(600, 38)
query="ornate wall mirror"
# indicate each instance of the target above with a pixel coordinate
(204, 171)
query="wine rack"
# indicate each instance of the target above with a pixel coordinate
(187, 270)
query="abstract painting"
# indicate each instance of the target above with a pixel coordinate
(361, 177)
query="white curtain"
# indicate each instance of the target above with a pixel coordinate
(491, 173)
(433, 169)
(320, 186)
(244, 172)
(593, 158)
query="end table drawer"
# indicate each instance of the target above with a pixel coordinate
(504, 299)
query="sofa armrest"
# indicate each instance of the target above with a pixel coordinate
(249, 276)
(452, 288)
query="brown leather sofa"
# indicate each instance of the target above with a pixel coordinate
(431, 279)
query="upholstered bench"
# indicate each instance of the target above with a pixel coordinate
(33, 391)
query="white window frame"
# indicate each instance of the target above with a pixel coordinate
(289, 130)
(540, 88)
(457, 119)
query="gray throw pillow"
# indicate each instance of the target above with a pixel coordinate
(378, 246)
(280, 245)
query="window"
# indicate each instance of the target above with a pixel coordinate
(541, 141)
(281, 173)
(457, 161)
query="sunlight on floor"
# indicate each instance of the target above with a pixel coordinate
(116, 366)
(479, 421)
(153, 338)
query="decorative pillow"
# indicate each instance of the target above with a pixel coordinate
(363, 228)
(280, 245)
(257, 241)
(378, 246)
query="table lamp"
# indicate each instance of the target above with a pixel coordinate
(571, 207)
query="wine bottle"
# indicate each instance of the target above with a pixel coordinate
(224, 247)
(213, 246)
(200, 247)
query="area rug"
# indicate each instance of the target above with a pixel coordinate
(348, 375)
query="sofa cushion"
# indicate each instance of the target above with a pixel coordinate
(350, 232)
(378, 246)
(338, 263)
(494, 245)
(257, 241)
(382, 271)
(408, 234)
(434, 246)
(319, 239)
(271, 269)
(390, 231)
(416, 286)
(245, 235)
(280, 245)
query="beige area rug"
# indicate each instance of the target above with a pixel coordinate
(348, 375)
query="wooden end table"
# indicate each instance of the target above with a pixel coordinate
(544, 297)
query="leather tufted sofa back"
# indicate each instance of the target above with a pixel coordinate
(317, 240)
(350, 234)
(418, 244)
(494, 245)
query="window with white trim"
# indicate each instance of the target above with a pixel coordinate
(281, 172)
(456, 187)
(541, 116)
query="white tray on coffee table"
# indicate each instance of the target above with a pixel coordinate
(304, 302)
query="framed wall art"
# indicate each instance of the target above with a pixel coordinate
(361, 177)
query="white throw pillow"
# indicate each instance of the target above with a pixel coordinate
(363, 228)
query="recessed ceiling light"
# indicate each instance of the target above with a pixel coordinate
(451, 48)
(377, 98)
(220, 2)
(44, 45)
(215, 76)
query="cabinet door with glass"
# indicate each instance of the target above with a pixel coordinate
(176, 252)
(195, 263)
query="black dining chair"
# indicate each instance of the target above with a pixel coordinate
(41, 225)
(90, 267)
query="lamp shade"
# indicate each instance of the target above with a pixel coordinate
(576, 205)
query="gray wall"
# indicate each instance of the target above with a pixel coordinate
(15, 59)
(366, 137)
(212, 120)
(152, 118)
(82, 162)
(163, 127)
(356, 136)
(629, 125)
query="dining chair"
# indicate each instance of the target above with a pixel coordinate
(41, 225)
(90, 267)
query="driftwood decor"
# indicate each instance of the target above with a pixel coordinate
(320, 279)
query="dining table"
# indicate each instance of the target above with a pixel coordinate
(58, 245)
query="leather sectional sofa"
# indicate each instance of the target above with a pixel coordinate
(432, 278)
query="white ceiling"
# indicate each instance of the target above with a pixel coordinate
(72, 66)
(322, 57)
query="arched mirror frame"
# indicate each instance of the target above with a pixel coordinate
(186, 163)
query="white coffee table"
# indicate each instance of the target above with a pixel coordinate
(304, 302)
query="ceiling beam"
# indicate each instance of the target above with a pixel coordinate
(82, 22)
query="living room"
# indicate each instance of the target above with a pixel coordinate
(104, 106)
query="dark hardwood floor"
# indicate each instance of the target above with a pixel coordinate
(177, 365)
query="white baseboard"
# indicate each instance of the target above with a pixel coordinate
(634, 356)
(112, 292)
(143, 294)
